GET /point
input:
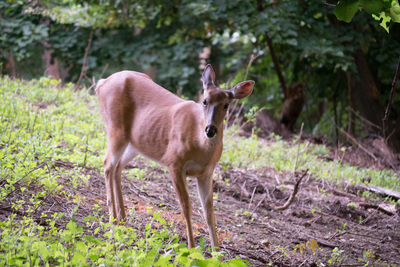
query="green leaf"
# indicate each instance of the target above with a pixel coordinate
(384, 19)
(346, 9)
(372, 6)
(79, 245)
(78, 259)
(395, 11)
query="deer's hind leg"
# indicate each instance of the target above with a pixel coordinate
(116, 147)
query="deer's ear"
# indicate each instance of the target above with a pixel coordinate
(243, 89)
(208, 77)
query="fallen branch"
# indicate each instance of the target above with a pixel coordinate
(294, 193)
(384, 192)
(354, 141)
(343, 194)
(376, 207)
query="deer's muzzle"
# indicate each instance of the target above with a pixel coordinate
(211, 130)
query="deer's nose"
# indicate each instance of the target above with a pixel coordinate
(211, 130)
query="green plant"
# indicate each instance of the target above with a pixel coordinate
(336, 256)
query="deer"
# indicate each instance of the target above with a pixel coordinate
(141, 117)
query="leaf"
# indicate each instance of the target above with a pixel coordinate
(372, 6)
(78, 259)
(235, 263)
(384, 19)
(395, 11)
(346, 9)
(81, 246)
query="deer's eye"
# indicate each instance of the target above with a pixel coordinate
(204, 102)
(226, 106)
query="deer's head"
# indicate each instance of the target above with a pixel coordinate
(216, 100)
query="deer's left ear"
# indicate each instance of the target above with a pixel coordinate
(208, 77)
(243, 89)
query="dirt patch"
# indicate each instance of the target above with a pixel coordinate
(344, 231)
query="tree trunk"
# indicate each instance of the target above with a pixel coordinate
(367, 102)
(12, 65)
(350, 88)
(366, 94)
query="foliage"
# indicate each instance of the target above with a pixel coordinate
(21, 34)
(166, 38)
(27, 243)
(382, 10)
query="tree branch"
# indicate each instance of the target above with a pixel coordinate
(291, 198)
(276, 65)
(389, 104)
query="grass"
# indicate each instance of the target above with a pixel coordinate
(43, 123)
(252, 153)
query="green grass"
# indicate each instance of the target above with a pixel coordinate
(252, 153)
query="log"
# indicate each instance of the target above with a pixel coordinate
(384, 192)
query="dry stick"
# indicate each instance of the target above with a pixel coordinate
(352, 139)
(298, 148)
(364, 119)
(376, 207)
(84, 61)
(252, 197)
(252, 58)
(101, 76)
(389, 104)
(291, 198)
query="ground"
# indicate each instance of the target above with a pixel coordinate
(326, 223)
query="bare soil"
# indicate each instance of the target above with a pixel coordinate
(330, 215)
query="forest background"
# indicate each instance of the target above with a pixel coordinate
(345, 67)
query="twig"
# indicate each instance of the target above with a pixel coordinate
(376, 207)
(259, 202)
(352, 139)
(230, 114)
(364, 119)
(252, 58)
(84, 61)
(298, 148)
(252, 196)
(342, 194)
(389, 104)
(291, 198)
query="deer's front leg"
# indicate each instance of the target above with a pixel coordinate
(178, 179)
(205, 188)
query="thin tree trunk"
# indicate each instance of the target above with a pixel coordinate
(276, 65)
(366, 93)
(84, 61)
(350, 88)
(389, 104)
(13, 66)
(260, 8)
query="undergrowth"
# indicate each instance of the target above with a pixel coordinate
(252, 153)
